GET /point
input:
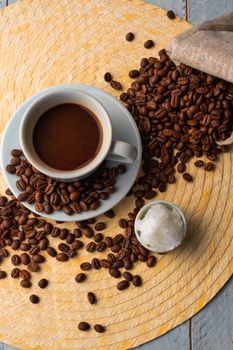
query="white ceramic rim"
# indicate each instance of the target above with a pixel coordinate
(67, 96)
(145, 208)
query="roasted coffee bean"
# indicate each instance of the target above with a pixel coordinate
(77, 233)
(130, 36)
(16, 153)
(25, 246)
(25, 275)
(123, 223)
(100, 247)
(43, 244)
(105, 263)
(128, 276)
(4, 253)
(43, 283)
(83, 326)
(15, 161)
(25, 259)
(91, 247)
(134, 73)
(51, 251)
(88, 232)
(115, 85)
(209, 166)
(25, 283)
(171, 14)
(181, 168)
(199, 163)
(85, 266)
(63, 233)
(137, 281)
(151, 261)
(38, 258)
(139, 203)
(15, 272)
(70, 238)
(15, 244)
(77, 244)
(80, 277)
(3, 275)
(33, 266)
(48, 228)
(148, 44)
(34, 250)
(34, 299)
(109, 214)
(127, 264)
(122, 285)
(107, 77)
(64, 248)
(99, 328)
(62, 257)
(114, 272)
(98, 237)
(3, 201)
(109, 241)
(95, 263)
(23, 197)
(15, 259)
(100, 226)
(91, 298)
(187, 177)
(11, 169)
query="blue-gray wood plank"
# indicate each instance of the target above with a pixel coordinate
(211, 328)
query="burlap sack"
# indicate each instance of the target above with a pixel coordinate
(209, 48)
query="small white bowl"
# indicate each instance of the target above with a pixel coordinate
(143, 212)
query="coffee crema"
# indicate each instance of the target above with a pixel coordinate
(67, 136)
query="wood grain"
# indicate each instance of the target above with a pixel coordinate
(201, 10)
(183, 281)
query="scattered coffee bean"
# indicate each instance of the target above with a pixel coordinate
(98, 237)
(80, 277)
(91, 247)
(171, 14)
(115, 85)
(43, 283)
(137, 281)
(25, 259)
(16, 153)
(122, 285)
(99, 328)
(34, 299)
(130, 36)
(123, 223)
(199, 163)
(63, 247)
(15, 272)
(134, 73)
(107, 77)
(114, 272)
(3, 275)
(209, 166)
(24, 274)
(187, 177)
(51, 251)
(100, 226)
(11, 169)
(33, 266)
(128, 276)
(151, 261)
(25, 284)
(181, 168)
(109, 214)
(83, 326)
(15, 259)
(62, 257)
(148, 44)
(95, 263)
(91, 298)
(85, 266)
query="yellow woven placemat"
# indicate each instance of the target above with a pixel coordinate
(45, 43)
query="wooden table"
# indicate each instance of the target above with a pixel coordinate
(212, 328)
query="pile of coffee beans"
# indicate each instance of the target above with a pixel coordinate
(180, 113)
(49, 195)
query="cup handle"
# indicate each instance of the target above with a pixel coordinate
(123, 152)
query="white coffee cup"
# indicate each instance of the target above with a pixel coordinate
(110, 149)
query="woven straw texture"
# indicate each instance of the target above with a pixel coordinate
(45, 43)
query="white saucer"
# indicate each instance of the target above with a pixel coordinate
(124, 128)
